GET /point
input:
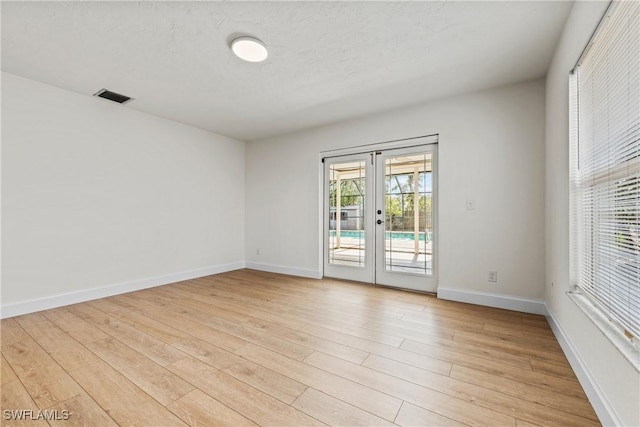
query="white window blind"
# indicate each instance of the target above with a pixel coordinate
(605, 167)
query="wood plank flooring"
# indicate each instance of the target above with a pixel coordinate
(249, 348)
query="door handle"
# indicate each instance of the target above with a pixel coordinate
(379, 221)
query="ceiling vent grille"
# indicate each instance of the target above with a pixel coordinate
(112, 96)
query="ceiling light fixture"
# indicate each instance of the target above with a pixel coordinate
(249, 49)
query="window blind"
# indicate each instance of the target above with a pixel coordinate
(605, 167)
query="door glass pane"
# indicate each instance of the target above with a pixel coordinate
(346, 238)
(408, 215)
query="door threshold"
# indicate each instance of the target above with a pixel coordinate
(397, 288)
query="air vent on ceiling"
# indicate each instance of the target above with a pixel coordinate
(112, 96)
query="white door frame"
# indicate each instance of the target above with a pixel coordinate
(416, 282)
(363, 152)
(365, 273)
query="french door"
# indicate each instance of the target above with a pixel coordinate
(380, 217)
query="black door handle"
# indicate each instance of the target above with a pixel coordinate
(379, 221)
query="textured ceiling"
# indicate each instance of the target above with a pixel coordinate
(328, 61)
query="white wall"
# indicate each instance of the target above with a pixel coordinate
(491, 149)
(614, 378)
(96, 194)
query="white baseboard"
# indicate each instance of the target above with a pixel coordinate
(283, 269)
(507, 302)
(53, 301)
(597, 398)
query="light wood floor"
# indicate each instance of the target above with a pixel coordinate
(247, 348)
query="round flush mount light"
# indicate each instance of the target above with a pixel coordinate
(249, 49)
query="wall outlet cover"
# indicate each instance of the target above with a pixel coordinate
(493, 276)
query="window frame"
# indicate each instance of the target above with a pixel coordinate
(604, 184)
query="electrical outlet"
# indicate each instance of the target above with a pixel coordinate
(493, 276)
(471, 204)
